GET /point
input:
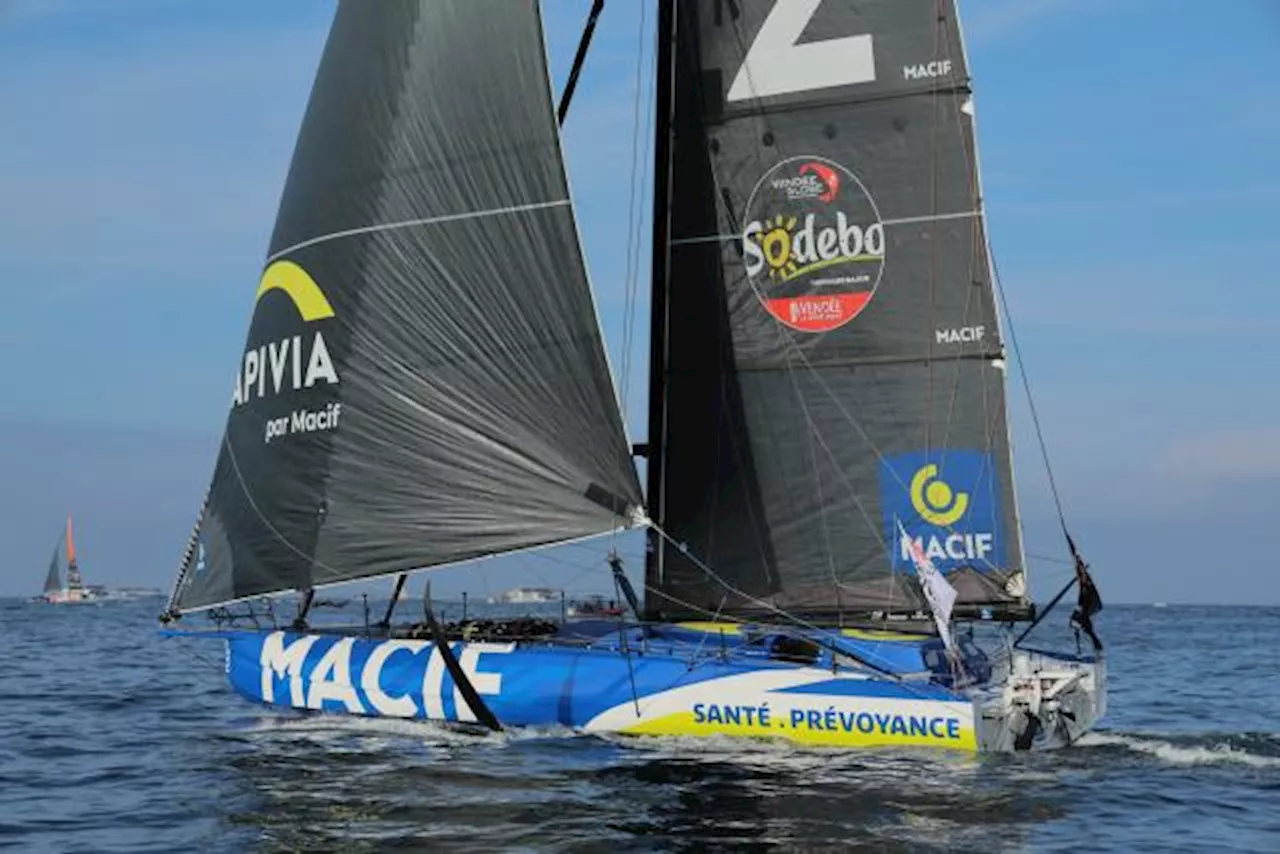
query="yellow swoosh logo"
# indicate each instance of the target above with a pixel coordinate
(302, 289)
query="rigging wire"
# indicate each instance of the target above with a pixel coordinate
(781, 612)
(635, 216)
(1031, 403)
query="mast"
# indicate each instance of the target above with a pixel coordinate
(74, 579)
(662, 166)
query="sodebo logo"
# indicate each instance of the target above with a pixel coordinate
(813, 243)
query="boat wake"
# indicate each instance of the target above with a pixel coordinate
(342, 733)
(1255, 750)
(333, 727)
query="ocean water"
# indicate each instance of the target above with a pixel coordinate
(114, 739)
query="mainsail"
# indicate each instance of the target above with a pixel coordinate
(424, 380)
(827, 356)
(74, 580)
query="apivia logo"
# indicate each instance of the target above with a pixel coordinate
(948, 502)
(292, 363)
(200, 560)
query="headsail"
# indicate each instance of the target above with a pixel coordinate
(53, 581)
(827, 352)
(424, 379)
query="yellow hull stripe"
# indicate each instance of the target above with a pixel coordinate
(684, 724)
(860, 634)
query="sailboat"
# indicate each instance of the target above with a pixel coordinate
(833, 544)
(75, 591)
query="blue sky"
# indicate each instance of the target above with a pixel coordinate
(1129, 160)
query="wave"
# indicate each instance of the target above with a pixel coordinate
(324, 726)
(1256, 750)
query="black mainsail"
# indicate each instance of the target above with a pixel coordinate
(424, 379)
(827, 360)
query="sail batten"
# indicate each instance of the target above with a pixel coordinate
(425, 382)
(370, 229)
(832, 364)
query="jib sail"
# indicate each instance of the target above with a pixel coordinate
(53, 581)
(424, 379)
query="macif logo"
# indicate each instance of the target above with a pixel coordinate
(934, 499)
(947, 501)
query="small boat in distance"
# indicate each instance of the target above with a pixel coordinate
(524, 596)
(594, 606)
(74, 592)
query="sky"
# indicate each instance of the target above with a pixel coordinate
(1128, 153)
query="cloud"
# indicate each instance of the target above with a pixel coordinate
(1227, 456)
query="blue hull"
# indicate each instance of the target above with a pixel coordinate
(681, 682)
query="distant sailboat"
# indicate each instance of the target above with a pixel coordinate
(75, 591)
(830, 482)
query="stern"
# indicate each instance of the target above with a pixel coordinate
(1046, 701)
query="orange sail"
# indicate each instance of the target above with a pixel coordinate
(71, 544)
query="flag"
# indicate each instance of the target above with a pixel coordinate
(937, 590)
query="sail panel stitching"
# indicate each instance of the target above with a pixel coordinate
(906, 220)
(391, 226)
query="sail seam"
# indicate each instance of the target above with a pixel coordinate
(907, 220)
(391, 226)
